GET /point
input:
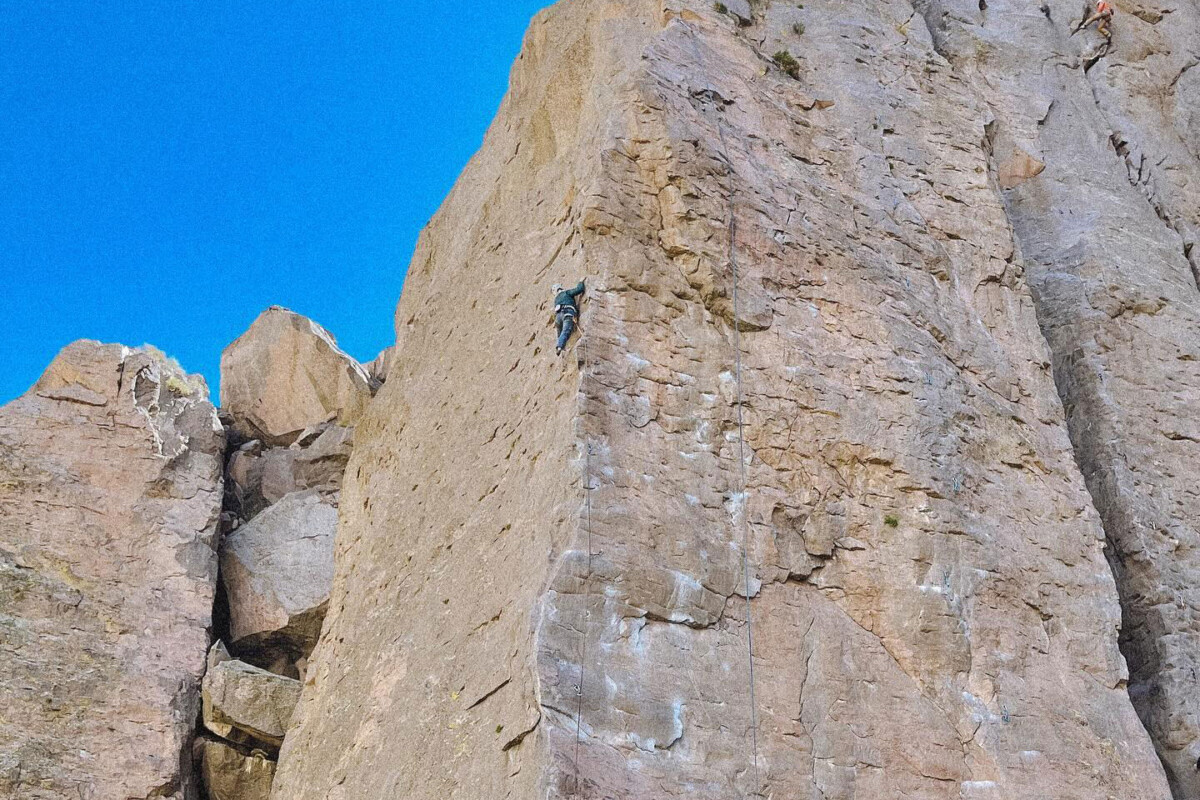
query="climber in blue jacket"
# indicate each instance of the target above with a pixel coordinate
(566, 313)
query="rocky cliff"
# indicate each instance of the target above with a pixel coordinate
(124, 552)
(110, 491)
(889, 340)
(871, 474)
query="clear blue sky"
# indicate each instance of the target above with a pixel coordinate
(168, 170)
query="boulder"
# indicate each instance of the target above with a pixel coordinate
(285, 374)
(322, 464)
(230, 774)
(277, 572)
(258, 478)
(239, 696)
(110, 493)
(740, 9)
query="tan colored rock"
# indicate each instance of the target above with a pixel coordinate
(286, 373)
(379, 369)
(277, 571)
(258, 478)
(933, 613)
(238, 696)
(229, 774)
(110, 491)
(1018, 169)
(1107, 234)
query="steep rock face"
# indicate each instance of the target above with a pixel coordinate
(110, 491)
(286, 373)
(932, 612)
(1107, 231)
(277, 572)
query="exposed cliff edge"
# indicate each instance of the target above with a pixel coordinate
(907, 192)
(889, 361)
(110, 491)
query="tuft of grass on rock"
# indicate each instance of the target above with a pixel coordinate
(788, 63)
(798, 29)
(721, 8)
(179, 386)
(892, 521)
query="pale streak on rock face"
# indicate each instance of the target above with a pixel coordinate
(933, 613)
(286, 373)
(110, 489)
(1107, 232)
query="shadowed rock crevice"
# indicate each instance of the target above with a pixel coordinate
(1107, 231)
(290, 384)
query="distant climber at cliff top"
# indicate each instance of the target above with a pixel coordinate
(1102, 16)
(566, 313)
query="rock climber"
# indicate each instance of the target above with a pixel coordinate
(1102, 17)
(566, 313)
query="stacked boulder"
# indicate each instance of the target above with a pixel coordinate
(290, 398)
(248, 709)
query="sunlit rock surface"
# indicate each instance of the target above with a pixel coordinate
(110, 491)
(931, 226)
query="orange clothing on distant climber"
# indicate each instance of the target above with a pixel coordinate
(1102, 17)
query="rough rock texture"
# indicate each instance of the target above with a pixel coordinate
(932, 610)
(277, 572)
(230, 774)
(252, 700)
(1106, 227)
(260, 477)
(286, 373)
(110, 491)
(379, 369)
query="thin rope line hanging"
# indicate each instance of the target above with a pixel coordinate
(587, 488)
(737, 346)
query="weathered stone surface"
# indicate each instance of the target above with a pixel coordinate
(253, 701)
(933, 614)
(379, 369)
(740, 9)
(229, 774)
(1107, 233)
(258, 477)
(286, 373)
(110, 491)
(277, 571)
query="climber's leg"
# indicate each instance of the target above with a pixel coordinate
(565, 323)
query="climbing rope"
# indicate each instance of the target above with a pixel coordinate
(587, 488)
(737, 346)
(742, 496)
